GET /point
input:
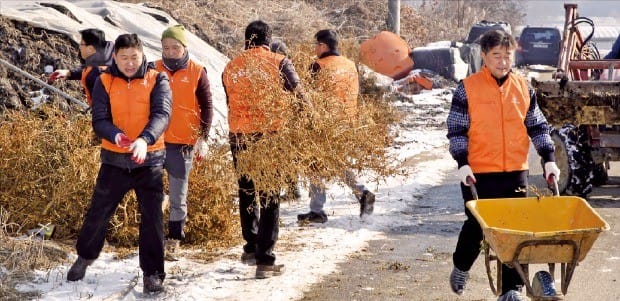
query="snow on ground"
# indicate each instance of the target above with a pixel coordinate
(309, 252)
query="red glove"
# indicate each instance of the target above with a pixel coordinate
(58, 74)
(122, 140)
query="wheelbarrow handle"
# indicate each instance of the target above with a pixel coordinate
(553, 182)
(474, 192)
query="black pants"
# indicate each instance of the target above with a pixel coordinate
(259, 222)
(112, 185)
(489, 185)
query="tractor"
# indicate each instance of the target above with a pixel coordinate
(582, 103)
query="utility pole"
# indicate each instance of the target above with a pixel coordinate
(394, 16)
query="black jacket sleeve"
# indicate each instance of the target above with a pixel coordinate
(75, 74)
(102, 113)
(205, 101)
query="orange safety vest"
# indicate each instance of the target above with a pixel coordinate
(130, 104)
(255, 91)
(85, 74)
(338, 76)
(498, 139)
(184, 127)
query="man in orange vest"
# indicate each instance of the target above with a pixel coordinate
(493, 117)
(187, 134)
(336, 77)
(130, 112)
(256, 81)
(96, 53)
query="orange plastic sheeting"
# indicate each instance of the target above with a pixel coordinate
(388, 54)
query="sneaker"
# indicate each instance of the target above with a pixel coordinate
(152, 284)
(312, 217)
(266, 271)
(511, 295)
(248, 258)
(78, 269)
(544, 284)
(171, 247)
(367, 203)
(458, 279)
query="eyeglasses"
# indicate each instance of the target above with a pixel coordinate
(318, 43)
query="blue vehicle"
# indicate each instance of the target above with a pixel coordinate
(539, 46)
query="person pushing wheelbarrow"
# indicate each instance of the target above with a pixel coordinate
(493, 117)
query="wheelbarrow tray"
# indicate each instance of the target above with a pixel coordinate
(545, 221)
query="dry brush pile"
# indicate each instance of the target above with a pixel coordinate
(319, 140)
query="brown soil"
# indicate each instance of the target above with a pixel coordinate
(31, 49)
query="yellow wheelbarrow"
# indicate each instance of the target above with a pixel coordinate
(536, 230)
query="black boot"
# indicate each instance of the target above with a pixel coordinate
(175, 230)
(78, 269)
(312, 217)
(153, 284)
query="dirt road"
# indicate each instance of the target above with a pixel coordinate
(413, 263)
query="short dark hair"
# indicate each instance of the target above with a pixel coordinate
(328, 37)
(128, 40)
(94, 37)
(257, 33)
(496, 37)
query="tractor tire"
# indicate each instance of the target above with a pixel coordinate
(577, 162)
(562, 160)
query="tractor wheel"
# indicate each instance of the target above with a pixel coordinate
(562, 160)
(578, 160)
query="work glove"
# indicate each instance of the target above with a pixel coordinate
(464, 172)
(122, 140)
(551, 169)
(138, 148)
(201, 148)
(58, 74)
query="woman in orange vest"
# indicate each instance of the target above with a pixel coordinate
(493, 117)
(255, 82)
(96, 53)
(192, 113)
(130, 112)
(336, 77)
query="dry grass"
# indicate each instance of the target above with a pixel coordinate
(18, 257)
(222, 23)
(49, 164)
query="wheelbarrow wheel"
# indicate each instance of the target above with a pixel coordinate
(488, 257)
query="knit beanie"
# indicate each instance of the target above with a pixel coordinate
(176, 32)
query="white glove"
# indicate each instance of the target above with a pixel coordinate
(201, 149)
(122, 140)
(138, 148)
(464, 172)
(551, 169)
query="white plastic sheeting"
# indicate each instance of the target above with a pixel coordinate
(116, 18)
